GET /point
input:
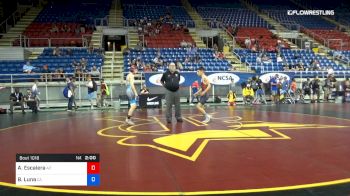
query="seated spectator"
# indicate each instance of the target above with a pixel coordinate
(65, 28)
(46, 74)
(147, 68)
(28, 68)
(247, 43)
(248, 94)
(330, 71)
(197, 59)
(83, 63)
(16, 99)
(126, 51)
(158, 61)
(139, 47)
(279, 59)
(32, 100)
(183, 44)
(215, 47)
(69, 52)
(300, 66)
(144, 90)
(54, 29)
(56, 52)
(179, 65)
(231, 96)
(95, 73)
(266, 59)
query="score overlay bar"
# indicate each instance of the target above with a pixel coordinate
(58, 169)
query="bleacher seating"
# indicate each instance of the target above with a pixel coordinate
(333, 39)
(172, 54)
(74, 14)
(233, 17)
(217, 3)
(155, 12)
(291, 57)
(168, 38)
(265, 37)
(53, 62)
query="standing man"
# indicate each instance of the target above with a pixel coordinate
(71, 94)
(171, 81)
(92, 88)
(274, 89)
(36, 93)
(203, 93)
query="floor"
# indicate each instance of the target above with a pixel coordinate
(250, 150)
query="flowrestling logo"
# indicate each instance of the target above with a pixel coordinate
(223, 78)
(311, 12)
(155, 79)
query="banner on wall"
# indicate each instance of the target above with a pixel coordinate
(216, 78)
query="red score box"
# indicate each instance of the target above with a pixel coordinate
(93, 167)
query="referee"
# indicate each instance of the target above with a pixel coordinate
(171, 81)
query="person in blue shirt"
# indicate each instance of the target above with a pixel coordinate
(27, 68)
(274, 88)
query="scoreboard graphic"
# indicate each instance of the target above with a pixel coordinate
(58, 169)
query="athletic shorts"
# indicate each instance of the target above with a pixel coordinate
(91, 95)
(131, 96)
(203, 99)
(316, 91)
(307, 92)
(274, 92)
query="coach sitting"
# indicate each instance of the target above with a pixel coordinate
(248, 94)
(171, 81)
(16, 99)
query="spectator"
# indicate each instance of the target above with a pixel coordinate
(56, 52)
(147, 68)
(158, 61)
(274, 89)
(95, 73)
(179, 65)
(104, 92)
(92, 88)
(215, 47)
(46, 76)
(231, 96)
(126, 51)
(16, 99)
(54, 29)
(330, 71)
(247, 43)
(315, 86)
(65, 28)
(28, 68)
(279, 59)
(232, 86)
(183, 44)
(69, 52)
(139, 47)
(83, 63)
(248, 94)
(144, 90)
(327, 88)
(306, 86)
(293, 86)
